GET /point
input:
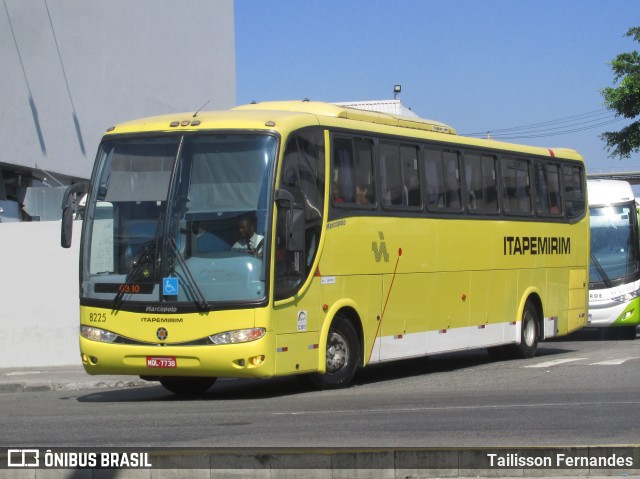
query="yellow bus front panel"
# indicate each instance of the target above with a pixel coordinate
(174, 345)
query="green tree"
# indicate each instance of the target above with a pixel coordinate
(624, 100)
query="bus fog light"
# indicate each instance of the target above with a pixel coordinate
(97, 334)
(238, 336)
(256, 360)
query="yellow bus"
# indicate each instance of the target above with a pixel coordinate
(312, 239)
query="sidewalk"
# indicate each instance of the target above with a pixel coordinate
(60, 378)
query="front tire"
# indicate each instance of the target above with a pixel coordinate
(187, 386)
(342, 356)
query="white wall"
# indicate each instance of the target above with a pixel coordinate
(39, 310)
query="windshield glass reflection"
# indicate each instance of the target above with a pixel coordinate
(180, 219)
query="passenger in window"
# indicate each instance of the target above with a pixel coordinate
(249, 241)
(362, 194)
(554, 207)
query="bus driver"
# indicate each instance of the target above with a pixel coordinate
(249, 241)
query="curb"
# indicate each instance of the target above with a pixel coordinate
(27, 387)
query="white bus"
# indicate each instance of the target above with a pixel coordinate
(614, 284)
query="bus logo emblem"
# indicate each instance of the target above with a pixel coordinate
(162, 334)
(380, 252)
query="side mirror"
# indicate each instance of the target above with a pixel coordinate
(295, 220)
(69, 207)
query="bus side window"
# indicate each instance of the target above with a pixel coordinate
(392, 192)
(432, 166)
(410, 176)
(452, 180)
(442, 172)
(400, 175)
(343, 181)
(482, 188)
(574, 193)
(353, 180)
(548, 193)
(365, 185)
(516, 184)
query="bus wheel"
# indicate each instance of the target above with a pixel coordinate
(529, 333)
(343, 356)
(187, 386)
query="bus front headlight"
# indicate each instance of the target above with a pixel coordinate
(238, 336)
(97, 334)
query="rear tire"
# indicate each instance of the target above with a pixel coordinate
(529, 333)
(342, 356)
(187, 386)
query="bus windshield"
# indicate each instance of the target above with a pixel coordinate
(614, 245)
(179, 219)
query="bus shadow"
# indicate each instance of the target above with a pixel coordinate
(222, 390)
(406, 368)
(257, 389)
(594, 334)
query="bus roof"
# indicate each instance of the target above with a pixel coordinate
(608, 192)
(287, 115)
(350, 113)
(258, 115)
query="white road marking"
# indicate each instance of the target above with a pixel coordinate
(554, 362)
(614, 362)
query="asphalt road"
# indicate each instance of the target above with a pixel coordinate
(578, 391)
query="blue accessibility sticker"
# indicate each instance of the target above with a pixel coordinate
(170, 286)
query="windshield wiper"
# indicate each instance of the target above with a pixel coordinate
(596, 264)
(196, 292)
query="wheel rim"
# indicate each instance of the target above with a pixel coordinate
(529, 333)
(337, 352)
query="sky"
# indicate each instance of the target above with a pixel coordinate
(478, 66)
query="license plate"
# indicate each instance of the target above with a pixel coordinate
(161, 362)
